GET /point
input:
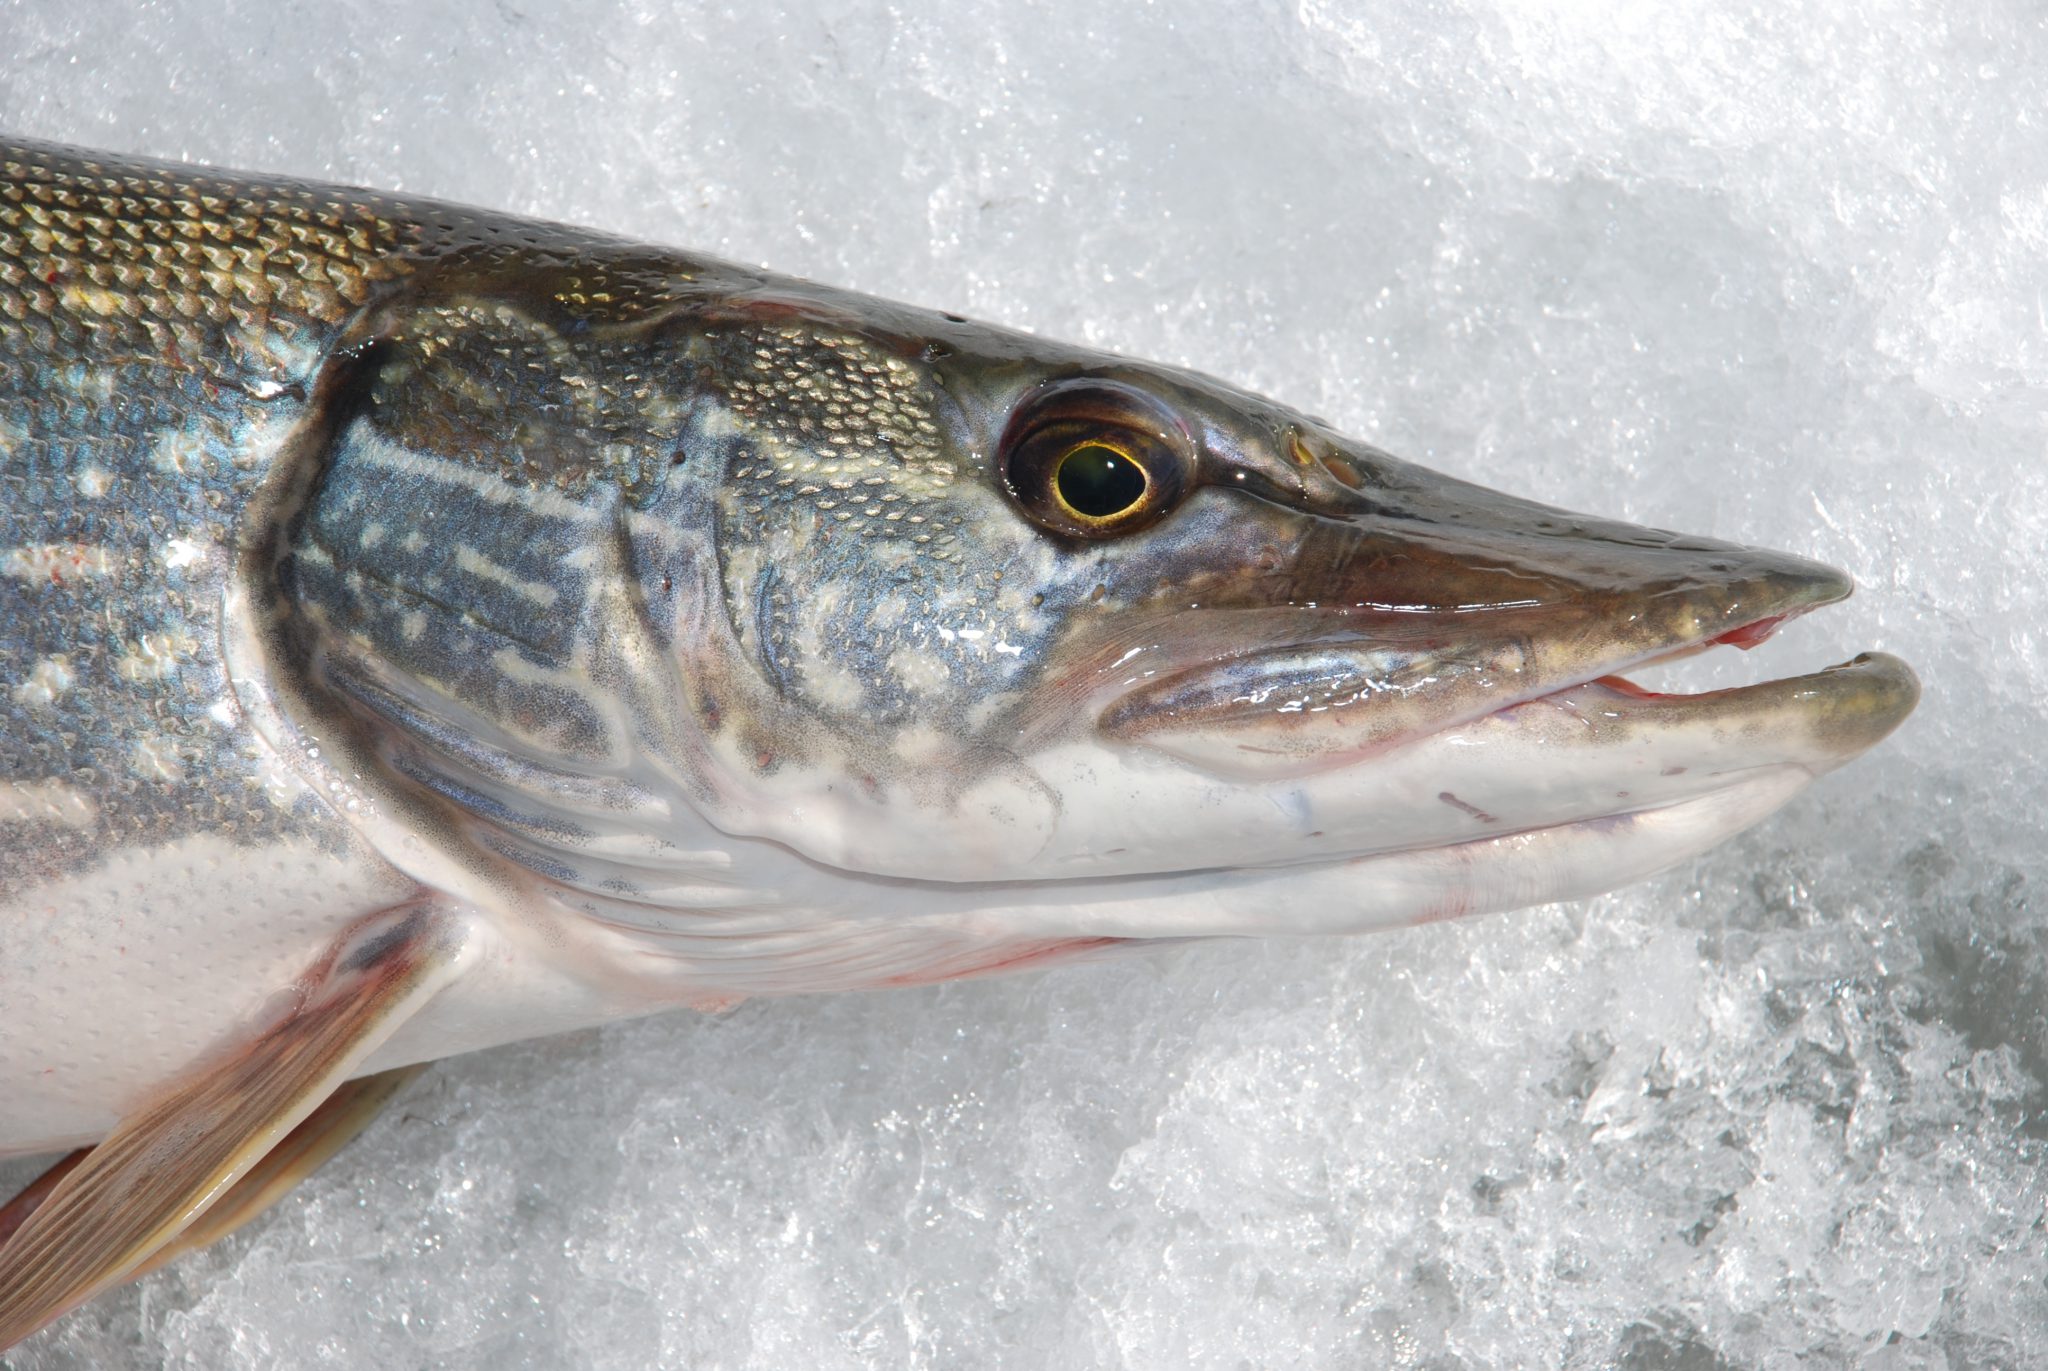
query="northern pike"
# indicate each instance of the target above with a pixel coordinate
(422, 628)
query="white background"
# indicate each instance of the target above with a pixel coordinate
(1777, 274)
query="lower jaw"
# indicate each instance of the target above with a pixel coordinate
(1537, 865)
(1354, 895)
(1579, 859)
(1878, 688)
(1346, 895)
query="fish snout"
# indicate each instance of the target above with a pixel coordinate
(1420, 609)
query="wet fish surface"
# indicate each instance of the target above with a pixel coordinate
(422, 628)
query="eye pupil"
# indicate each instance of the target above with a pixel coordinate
(1098, 482)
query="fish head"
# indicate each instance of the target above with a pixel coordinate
(963, 606)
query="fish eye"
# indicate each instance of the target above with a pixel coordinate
(1093, 459)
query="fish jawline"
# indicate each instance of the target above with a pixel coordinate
(1287, 741)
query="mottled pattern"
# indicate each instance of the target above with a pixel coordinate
(480, 382)
(853, 556)
(469, 587)
(850, 421)
(498, 395)
(161, 333)
(158, 332)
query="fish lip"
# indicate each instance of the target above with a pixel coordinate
(1151, 708)
(1846, 708)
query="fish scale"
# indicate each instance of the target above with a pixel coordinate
(147, 331)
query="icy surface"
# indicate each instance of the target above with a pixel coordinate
(1776, 273)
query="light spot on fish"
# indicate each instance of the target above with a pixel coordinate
(888, 612)
(155, 759)
(56, 562)
(180, 553)
(279, 781)
(47, 802)
(833, 686)
(86, 299)
(49, 680)
(377, 451)
(92, 481)
(922, 743)
(985, 710)
(263, 432)
(920, 672)
(514, 667)
(154, 656)
(95, 385)
(476, 564)
(279, 350)
(178, 452)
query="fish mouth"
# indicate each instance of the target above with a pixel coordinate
(1376, 734)
(1355, 683)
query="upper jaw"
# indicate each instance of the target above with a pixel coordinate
(1352, 681)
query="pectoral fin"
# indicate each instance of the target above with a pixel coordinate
(15, 1212)
(324, 1132)
(170, 1161)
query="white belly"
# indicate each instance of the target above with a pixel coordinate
(115, 980)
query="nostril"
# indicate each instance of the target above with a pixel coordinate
(1346, 474)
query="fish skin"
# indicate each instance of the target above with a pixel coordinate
(161, 329)
(681, 624)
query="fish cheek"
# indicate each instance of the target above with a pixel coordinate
(868, 628)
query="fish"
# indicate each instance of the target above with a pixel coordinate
(423, 628)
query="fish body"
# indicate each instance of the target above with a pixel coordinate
(498, 627)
